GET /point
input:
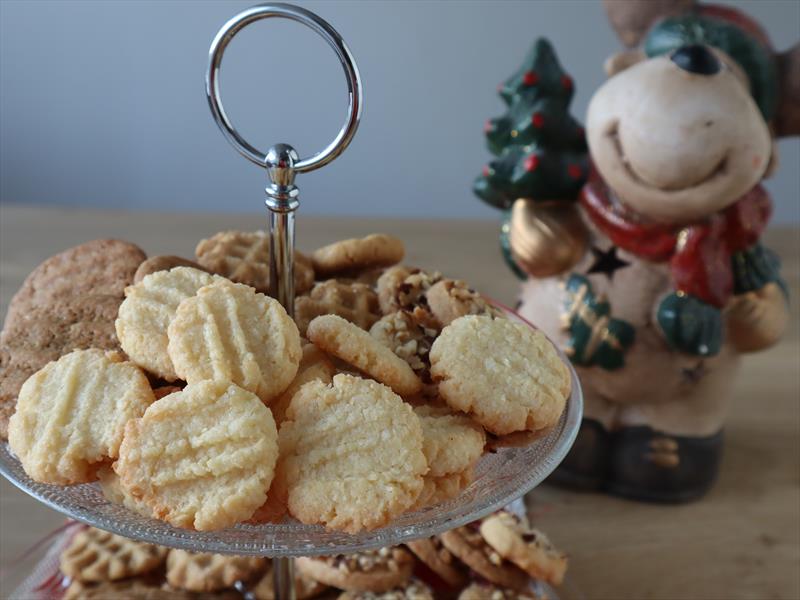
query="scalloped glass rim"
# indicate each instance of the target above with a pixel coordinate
(500, 478)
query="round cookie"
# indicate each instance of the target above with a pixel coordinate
(354, 301)
(229, 331)
(137, 589)
(314, 365)
(147, 311)
(357, 254)
(405, 288)
(442, 488)
(413, 590)
(351, 453)
(96, 555)
(202, 572)
(367, 571)
(488, 591)
(467, 544)
(528, 548)
(450, 299)
(44, 334)
(201, 458)
(71, 415)
(440, 560)
(243, 257)
(451, 443)
(506, 375)
(154, 264)
(304, 587)
(114, 492)
(97, 268)
(346, 341)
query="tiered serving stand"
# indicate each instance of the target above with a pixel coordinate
(500, 477)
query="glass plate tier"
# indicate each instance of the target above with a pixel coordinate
(500, 478)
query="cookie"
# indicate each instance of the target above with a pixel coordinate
(450, 299)
(201, 458)
(243, 257)
(97, 268)
(71, 414)
(114, 492)
(165, 390)
(229, 331)
(467, 544)
(526, 547)
(163, 263)
(352, 454)
(201, 572)
(304, 587)
(405, 288)
(506, 375)
(451, 443)
(403, 335)
(133, 589)
(440, 560)
(443, 488)
(368, 571)
(357, 254)
(314, 365)
(96, 555)
(147, 311)
(413, 590)
(46, 333)
(488, 591)
(342, 339)
(356, 302)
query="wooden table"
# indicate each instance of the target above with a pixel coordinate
(741, 541)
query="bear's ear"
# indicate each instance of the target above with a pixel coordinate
(631, 19)
(787, 117)
(622, 60)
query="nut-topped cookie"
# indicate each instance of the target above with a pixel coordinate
(507, 376)
(440, 560)
(367, 571)
(489, 591)
(413, 590)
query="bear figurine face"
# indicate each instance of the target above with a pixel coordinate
(678, 137)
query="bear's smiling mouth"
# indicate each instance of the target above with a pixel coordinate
(612, 133)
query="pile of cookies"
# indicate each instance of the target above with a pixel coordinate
(496, 559)
(193, 397)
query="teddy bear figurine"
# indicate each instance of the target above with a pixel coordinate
(641, 257)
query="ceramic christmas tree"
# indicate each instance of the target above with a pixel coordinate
(652, 275)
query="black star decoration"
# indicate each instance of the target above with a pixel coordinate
(606, 262)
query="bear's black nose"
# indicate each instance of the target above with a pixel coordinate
(696, 59)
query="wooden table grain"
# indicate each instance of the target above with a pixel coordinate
(740, 542)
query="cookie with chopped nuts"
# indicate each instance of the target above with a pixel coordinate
(411, 341)
(413, 590)
(356, 302)
(449, 299)
(505, 375)
(404, 288)
(358, 254)
(488, 591)
(440, 560)
(367, 571)
(468, 545)
(528, 548)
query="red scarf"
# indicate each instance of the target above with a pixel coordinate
(699, 253)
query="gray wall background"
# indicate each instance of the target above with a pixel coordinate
(102, 103)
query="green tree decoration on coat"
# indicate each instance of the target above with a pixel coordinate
(540, 149)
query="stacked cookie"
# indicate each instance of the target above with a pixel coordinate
(205, 407)
(505, 562)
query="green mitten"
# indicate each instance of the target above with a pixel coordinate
(690, 325)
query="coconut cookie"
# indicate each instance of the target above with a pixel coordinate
(440, 560)
(443, 488)
(243, 257)
(467, 544)
(314, 365)
(71, 414)
(507, 376)
(451, 443)
(147, 311)
(96, 555)
(201, 458)
(201, 572)
(526, 547)
(352, 454)
(356, 347)
(229, 331)
(347, 256)
(367, 571)
(114, 492)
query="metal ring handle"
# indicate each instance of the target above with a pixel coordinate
(330, 35)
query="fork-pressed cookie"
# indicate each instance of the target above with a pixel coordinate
(231, 332)
(97, 555)
(358, 254)
(367, 571)
(347, 341)
(452, 443)
(526, 547)
(147, 311)
(351, 454)
(201, 458)
(203, 572)
(356, 302)
(314, 364)
(506, 375)
(71, 414)
(444, 487)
